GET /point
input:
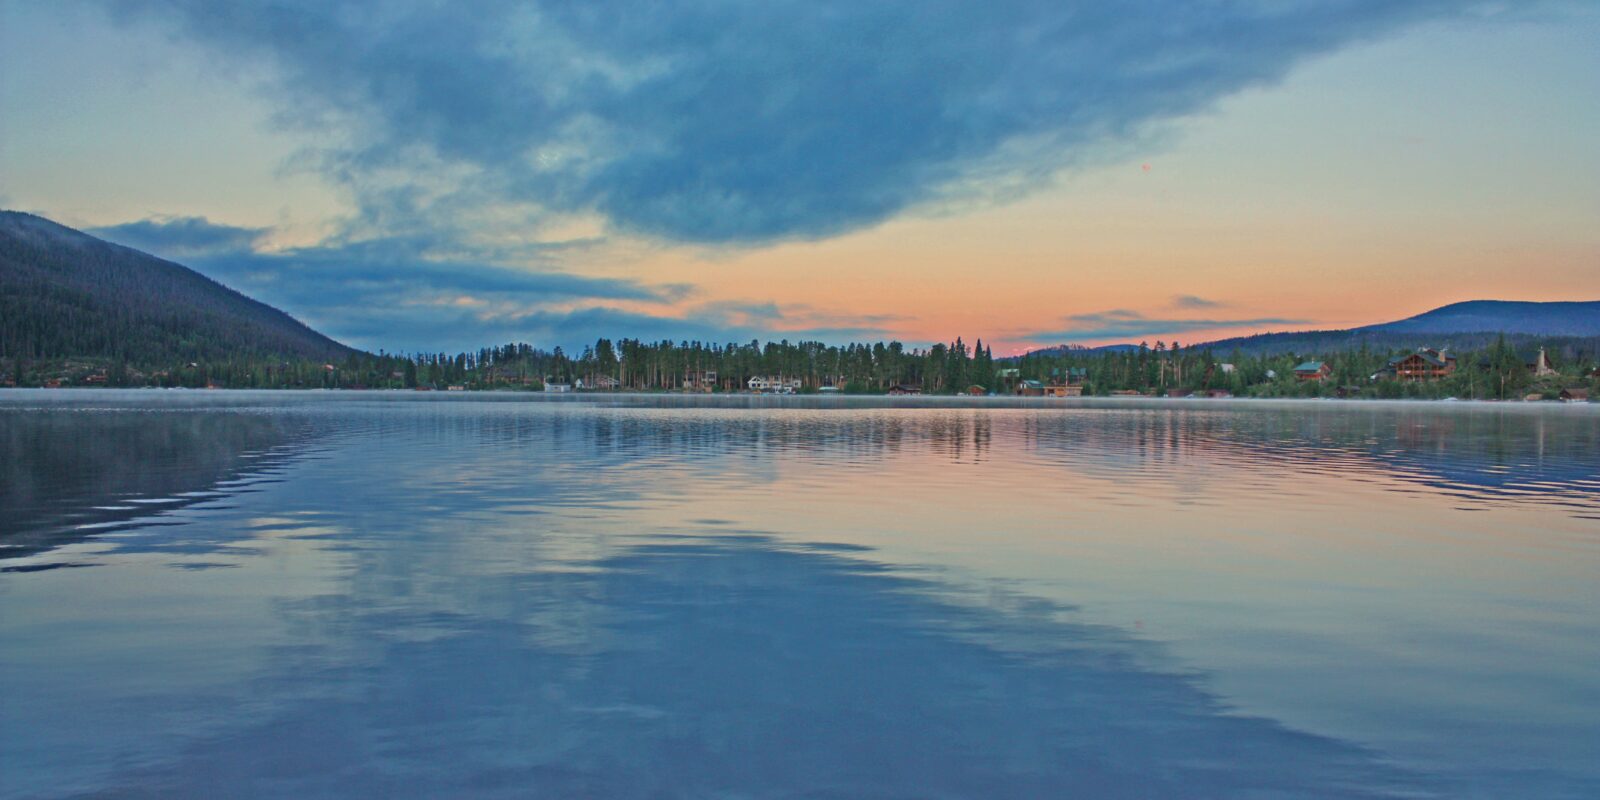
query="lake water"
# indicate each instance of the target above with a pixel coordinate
(211, 594)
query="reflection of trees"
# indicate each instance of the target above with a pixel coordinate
(60, 470)
(1474, 449)
(711, 438)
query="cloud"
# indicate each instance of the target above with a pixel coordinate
(1125, 324)
(398, 294)
(180, 237)
(745, 123)
(789, 316)
(587, 324)
(1194, 301)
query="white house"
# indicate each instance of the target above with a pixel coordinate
(775, 385)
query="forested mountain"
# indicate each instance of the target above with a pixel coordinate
(66, 294)
(1503, 316)
(1472, 325)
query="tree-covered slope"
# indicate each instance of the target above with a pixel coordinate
(64, 294)
(1503, 316)
(1470, 325)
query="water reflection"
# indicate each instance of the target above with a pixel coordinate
(736, 667)
(68, 475)
(647, 597)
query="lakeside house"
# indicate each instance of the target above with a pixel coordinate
(557, 388)
(1423, 365)
(780, 385)
(1538, 363)
(905, 389)
(1575, 395)
(700, 381)
(1179, 393)
(1126, 393)
(1313, 371)
(1219, 394)
(1067, 383)
(1006, 380)
(976, 391)
(1028, 387)
(828, 390)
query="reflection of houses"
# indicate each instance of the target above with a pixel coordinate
(1423, 365)
(1538, 364)
(904, 389)
(1316, 371)
(774, 385)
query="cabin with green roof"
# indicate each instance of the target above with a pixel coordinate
(1313, 371)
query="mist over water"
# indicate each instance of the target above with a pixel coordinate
(370, 594)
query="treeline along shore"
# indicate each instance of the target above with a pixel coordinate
(76, 310)
(1507, 368)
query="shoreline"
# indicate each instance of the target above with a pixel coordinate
(804, 401)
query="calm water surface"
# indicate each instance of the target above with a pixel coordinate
(212, 594)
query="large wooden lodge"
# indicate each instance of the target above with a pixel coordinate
(1423, 365)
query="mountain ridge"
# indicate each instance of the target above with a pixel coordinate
(65, 294)
(1469, 323)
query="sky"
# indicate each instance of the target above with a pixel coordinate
(419, 175)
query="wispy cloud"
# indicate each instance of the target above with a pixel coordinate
(1194, 301)
(181, 237)
(741, 123)
(398, 294)
(1124, 324)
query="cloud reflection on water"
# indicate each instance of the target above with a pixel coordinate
(459, 597)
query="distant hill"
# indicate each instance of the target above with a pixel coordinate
(1462, 326)
(1066, 349)
(65, 294)
(1503, 316)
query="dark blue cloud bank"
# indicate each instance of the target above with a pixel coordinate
(181, 237)
(397, 293)
(741, 123)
